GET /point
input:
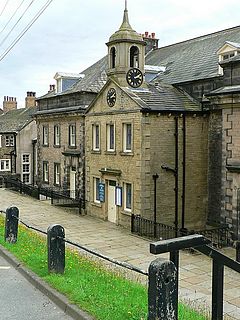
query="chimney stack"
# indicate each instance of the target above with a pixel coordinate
(9, 103)
(51, 88)
(151, 41)
(30, 100)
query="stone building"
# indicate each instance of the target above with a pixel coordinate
(17, 139)
(145, 112)
(132, 129)
(61, 131)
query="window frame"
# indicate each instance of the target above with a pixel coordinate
(9, 140)
(46, 172)
(45, 135)
(57, 174)
(95, 137)
(5, 167)
(72, 142)
(125, 138)
(26, 162)
(96, 196)
(134, 57)
(126, 205)
(57, 135)
(111, 141)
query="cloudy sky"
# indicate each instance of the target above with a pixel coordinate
(70, 35)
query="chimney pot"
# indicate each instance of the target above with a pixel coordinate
(146, 34)
(153, 35)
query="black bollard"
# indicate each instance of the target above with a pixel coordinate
(162, 291)
(11, 224)
(56, 248)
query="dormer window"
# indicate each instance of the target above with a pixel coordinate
(134, 57)
(227, 51)
(113, 58)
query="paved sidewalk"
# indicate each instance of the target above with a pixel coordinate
(118, 243)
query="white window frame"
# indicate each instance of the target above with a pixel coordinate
(56, 135)
(96, 137)
(57, 170)
(125, 196)
(26, 163)
(110, 135)
(45, 172)
(0, 141)
(6, 165)
(96, 197)
(9, 140)
(72, 135)
(45, 135)
(126, 147)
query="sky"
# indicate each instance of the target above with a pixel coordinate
(71, 35)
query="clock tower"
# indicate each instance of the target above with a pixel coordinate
(126, 55)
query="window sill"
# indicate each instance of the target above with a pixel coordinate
(72, 147)
(56, 146)
(126, 213)
(110, 152)
(96, 204)
(45, 145)
(124, 153)
(96, 151)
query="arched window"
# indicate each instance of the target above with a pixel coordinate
(134, 57)
(112, 57)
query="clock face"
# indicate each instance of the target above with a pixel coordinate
(111, 97)
(134, 77)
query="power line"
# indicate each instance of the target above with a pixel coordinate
(24, 12)
(40, 12)
(4, 7)
(12, 17)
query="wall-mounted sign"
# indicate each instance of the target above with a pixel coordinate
(101, 189)
(118, 196)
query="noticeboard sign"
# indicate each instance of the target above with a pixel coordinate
(118, 196)
(101, 190)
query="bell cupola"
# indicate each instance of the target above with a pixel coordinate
(126, 50)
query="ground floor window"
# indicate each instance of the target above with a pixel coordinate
(128, 196)
(5, 165)
(57, 174)
(45, 172)
(96, 182)
(26, 168)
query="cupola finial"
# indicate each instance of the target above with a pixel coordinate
(125, 4)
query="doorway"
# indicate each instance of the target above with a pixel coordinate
(112, 209)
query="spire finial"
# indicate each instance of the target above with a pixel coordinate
(125, 4)
(125, 23)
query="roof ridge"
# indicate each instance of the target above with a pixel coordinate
(199, 37)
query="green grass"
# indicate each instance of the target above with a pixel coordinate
(104, 294)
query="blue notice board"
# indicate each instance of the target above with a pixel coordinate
(101, 189)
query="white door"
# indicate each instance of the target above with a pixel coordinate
(112, 209)
(72, 183)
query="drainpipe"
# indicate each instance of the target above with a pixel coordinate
(155, 177)
(184, 171)
(176, 177)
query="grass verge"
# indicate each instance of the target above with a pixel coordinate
(103, 294)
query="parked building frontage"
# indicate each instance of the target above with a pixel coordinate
(17, 139)
(149, 126)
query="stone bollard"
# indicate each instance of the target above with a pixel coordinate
(56, 248)
(162, 291)
(11, 224)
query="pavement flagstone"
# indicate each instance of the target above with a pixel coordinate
(118, 243)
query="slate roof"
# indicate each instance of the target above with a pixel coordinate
(163, 97)
(16, 120)
(192, 59)
(225, 90)
(94, 79)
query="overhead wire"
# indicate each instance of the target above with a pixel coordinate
(14, 26)
(12, 17)
(4, 7)
(22, 33)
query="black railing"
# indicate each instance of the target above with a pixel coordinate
(218, 235)
(65, 198)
